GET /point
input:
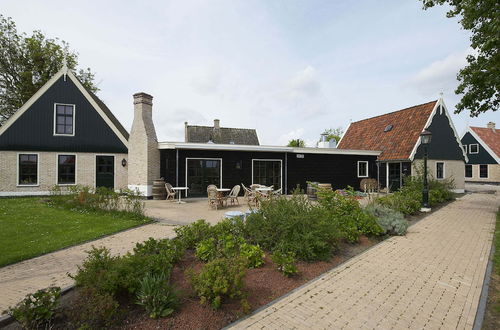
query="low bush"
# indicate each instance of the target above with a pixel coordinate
(37, 310)
(253, 254)
(285, 262)
(194, 233)
(391, 221)
(220, 279)
(93, 310)
(157, 296)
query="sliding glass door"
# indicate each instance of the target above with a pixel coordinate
(267, 172)
(200, 173)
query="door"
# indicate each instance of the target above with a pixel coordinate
(105, 172)
(394, 176)
(201, 173)
(267, 172)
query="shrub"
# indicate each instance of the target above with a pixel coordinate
(93, 309)
(37, 309)
(219, 279)
(207, 249)
(253, 254)
(391, 221)
(157, 296)
(293, 225)
(193, 233)
(285, 263)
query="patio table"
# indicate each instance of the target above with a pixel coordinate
(179, 189)
(220, 193)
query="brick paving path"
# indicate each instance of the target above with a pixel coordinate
(429, 279)
(20, 279)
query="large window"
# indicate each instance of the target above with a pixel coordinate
(200, 173)
(468, 171)
(440, 170)
(362, 169)
(28, 170)
(483, 171)
(267, 172)
(64, 119)
(473, 148)
(66, 169)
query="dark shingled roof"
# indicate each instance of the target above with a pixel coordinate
(222, 135)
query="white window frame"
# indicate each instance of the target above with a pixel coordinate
(444, 171)
(465, 149)
(470, 149)
(57, 169)
(367, 170)
(55, 119)
(202, 158)
(487, 171)
(114, 169)
(270, 160)
(37, 170)
(472, 171)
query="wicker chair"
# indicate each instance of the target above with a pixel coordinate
(213, 197)
(250, 195)
(233, 195)
(170, 191)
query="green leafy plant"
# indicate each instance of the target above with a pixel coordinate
(220, 279)
(194, 233)
(92, 309)
(253, 254)
(285, 262)
(391, 221)
(207, 249)
(38, 309)
(157, 296)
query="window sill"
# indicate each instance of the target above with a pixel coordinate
(66, 184)
(27, 185)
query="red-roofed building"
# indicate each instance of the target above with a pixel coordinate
(482, 145)
(397, 135)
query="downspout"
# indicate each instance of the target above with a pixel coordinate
(177, 167)
(286, 174)
(378, 175)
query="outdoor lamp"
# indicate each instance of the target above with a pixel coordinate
(124, 162)
(425, 139)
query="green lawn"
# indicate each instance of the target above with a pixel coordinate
(29, 227)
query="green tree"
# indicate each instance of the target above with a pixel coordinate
(297, 143)
(480, 79)
(334, 133)
(28, 62)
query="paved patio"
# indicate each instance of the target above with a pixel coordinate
(429, 279)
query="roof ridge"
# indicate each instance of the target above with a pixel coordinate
(392, 112)
(250, 129)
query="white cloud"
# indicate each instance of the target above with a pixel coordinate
(291, 135)
(305, 83)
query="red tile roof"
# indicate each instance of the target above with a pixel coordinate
(396, 144)
(490, 136)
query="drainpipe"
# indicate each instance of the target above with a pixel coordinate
(286, 174)
(177, 167)
(378, 176)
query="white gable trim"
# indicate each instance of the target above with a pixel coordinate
(44, 88)
(484, 145)
(428, 123)
(348, 126)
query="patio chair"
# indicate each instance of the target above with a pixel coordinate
(170, 191)
(250, 195)
(255, 186)
(213, 197)
(276, 193)
(233, 195)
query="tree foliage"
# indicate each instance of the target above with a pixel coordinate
(334, 133)
(480, 79)
(297, 143)
(28, 62)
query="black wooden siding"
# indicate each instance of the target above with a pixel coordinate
(483, 157)
(34, 129)
(339, 170)
(444, 144)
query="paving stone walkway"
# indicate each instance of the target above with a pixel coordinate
(429, 279)
(20, 279)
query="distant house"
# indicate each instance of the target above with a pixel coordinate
(63, 135)
(397, 135)
(220, 135)
(482, 145)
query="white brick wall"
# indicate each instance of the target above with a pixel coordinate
(493, 174)
(453, 169)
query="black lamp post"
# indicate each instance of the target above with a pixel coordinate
(425, 140)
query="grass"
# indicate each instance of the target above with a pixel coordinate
(492, 314)
(30, 227)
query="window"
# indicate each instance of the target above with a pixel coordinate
(473, 148)
(483, 171)
(440, 170)
(66, 169)
(28, 170)
(363, 169)
(267, 172)
(465, 148)
(64, 119)
(468, 171)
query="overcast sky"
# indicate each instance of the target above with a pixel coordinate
(290, 69)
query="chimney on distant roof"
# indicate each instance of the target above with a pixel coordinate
(186, 131)
(491, 125)
(216, 123)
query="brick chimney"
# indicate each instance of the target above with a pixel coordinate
(216, 123)
(491, 125)
(143, 153)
